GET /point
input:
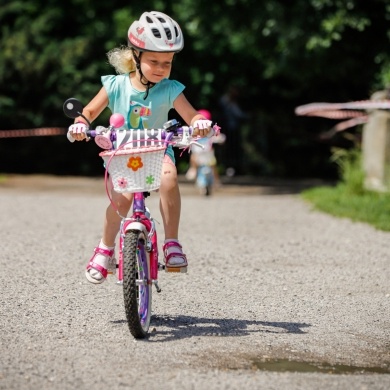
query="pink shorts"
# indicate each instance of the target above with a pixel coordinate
(168, 160)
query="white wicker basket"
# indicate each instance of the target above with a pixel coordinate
(135, 169)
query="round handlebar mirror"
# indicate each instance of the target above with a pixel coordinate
(73, 108)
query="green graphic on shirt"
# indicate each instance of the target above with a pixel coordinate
(138, 115)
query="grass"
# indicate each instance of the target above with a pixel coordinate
(366, 206)
(349, 199)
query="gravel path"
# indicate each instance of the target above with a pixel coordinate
(268, 279)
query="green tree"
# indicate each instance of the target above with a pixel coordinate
(282, 53)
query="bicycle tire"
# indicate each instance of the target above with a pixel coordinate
(137, 289)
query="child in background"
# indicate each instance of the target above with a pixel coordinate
(206, 155)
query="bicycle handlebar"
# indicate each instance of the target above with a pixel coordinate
(172, 133)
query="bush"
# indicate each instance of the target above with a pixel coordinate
(350, 169)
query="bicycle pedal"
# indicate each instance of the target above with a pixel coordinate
(176, 269)
(112, 269)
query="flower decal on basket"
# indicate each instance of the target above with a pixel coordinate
(149, 180)
(122, 182)
(135, 163)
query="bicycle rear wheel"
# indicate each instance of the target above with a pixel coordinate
(137, 287)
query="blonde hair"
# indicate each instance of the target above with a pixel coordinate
(121, 58)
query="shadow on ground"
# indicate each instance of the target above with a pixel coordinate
(180, 327)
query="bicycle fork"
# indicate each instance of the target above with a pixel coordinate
(147, 228)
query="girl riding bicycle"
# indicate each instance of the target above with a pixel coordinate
(143, 93)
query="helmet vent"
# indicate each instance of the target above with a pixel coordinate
(156, 33)
(168, 32)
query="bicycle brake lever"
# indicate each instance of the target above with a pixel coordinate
(197, 144)
(185, 140)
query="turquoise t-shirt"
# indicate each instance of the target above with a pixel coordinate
(150, 113)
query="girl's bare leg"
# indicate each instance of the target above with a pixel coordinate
(113, 220)
(104, 256)
(170, 208)
(170, 201)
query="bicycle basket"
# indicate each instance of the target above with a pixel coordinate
(135, 169)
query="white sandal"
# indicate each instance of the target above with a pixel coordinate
(170, 255)
(97, 272)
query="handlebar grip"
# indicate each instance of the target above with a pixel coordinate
(88, 133)
(70, 138)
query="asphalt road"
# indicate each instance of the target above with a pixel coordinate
(274, 290)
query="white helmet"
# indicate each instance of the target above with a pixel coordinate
(155, 31)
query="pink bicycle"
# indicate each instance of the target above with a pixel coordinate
(133, 159)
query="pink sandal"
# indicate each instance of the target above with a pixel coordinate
(181, 267)
(100, 274)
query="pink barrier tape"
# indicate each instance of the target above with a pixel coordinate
(343, 111)
(43, 131)
(307, 109)
(334, 114)
(350, 123)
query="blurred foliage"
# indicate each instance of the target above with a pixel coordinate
(281, 53)
(350, 163)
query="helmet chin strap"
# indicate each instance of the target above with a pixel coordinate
(148, 83)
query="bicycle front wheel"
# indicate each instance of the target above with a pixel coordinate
(137, 286)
